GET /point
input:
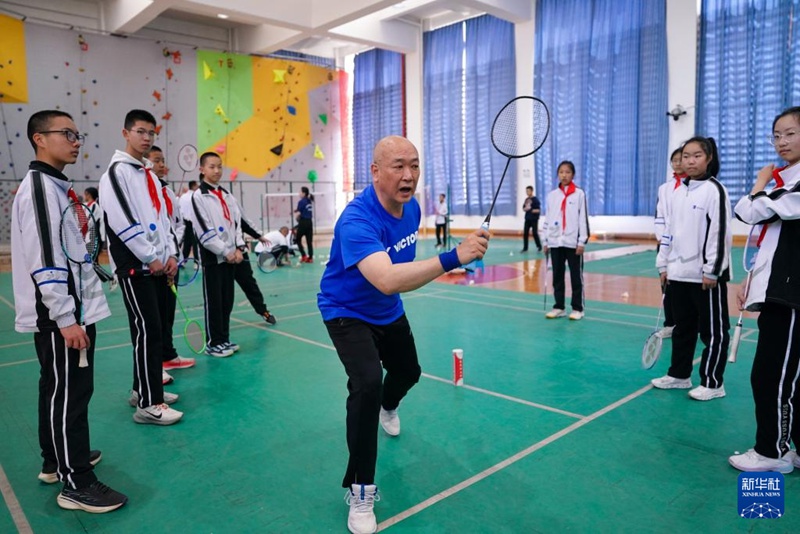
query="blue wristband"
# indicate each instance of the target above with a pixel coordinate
(449, 260)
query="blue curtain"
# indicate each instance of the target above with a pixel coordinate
(490, 83)
(443, 70)
(469, 74)
(378, 107)
(601, 68)
(748, 72)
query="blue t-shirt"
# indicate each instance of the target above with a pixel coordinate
(365, 228)
(305, 207)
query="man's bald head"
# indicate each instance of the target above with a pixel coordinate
(390, 145)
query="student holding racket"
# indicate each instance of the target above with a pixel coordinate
(215, 219)
(775, 292)
(371, 263)
(143, 247)
(565, 236)
(664, 198)
(694, 259)
(170, 357)
(49, 303)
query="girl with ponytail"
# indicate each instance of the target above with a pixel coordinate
(694, 259)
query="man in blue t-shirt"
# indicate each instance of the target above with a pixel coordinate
(371, 263)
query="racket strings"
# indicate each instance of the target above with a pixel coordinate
(78, 236)
(195, 336)
(520, 115)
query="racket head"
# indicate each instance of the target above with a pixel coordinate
(267, 262)
(188, 159)
(188, 270)
(651, 351)
(79, 234)
(519, 115)
(195, 336)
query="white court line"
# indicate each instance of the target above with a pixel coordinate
(508, 461)
(174, 337)
(426, 375)
(8, 303)
(12, 503)
(506, 397)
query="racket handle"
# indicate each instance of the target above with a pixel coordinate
(83, 360)
(737, 334)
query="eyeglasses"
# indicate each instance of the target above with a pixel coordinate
(145, 133)
(71, 136)
(775, 139)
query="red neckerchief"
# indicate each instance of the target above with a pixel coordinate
(778, 183)
(225, 211)
(678, 178)
(167, 201)
(153, 190)
(567, 192)
(83, 220)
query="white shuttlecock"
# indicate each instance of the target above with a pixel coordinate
(626, 295)
(510, 253)
(472, 282)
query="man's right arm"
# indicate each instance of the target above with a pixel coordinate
(390, 278)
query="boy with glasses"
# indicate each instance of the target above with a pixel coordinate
(47, 303)
(144, 249)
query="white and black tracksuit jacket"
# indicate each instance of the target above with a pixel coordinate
(45, 282)
(570, 229)
(697, 236)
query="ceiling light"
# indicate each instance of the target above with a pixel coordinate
(222, 16)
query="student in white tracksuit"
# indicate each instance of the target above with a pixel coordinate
(694, 259)
(143, 247)
(217, 223)
(665, 192)
(775, 292)
(49, 292)
(566, 231)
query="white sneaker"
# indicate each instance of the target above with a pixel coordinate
(361, 498)
(169, 398)
(390, 422)
(157, 414)
(666, 332)
(703, 393)
(576, 315)
(555, 313)
(669, 382)
(752, 461)
(166, 378)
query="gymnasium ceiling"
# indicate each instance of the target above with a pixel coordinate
(328, 28)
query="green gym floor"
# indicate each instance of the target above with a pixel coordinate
(556, 430)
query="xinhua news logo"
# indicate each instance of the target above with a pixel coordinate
(761, 495)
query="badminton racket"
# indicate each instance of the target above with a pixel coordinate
(193, 332)
(188, 161)
(748, 262)
(651, 351)
(80, 241)
(188, 270)
(518, 131)
(546, 269)
(266, 262)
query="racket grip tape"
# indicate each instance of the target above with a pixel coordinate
(83, 359)
(737, 334)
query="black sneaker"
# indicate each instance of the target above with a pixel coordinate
(49, 476)
(96, 499)
(269, 317)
